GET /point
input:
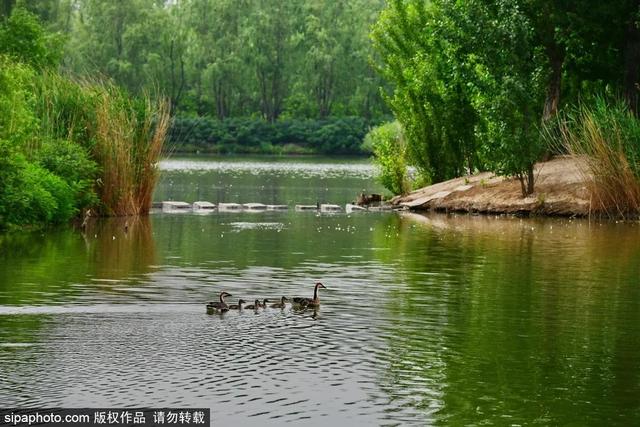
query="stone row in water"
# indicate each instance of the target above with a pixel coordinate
(202, 206)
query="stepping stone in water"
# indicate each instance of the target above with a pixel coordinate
(277, 207)
(381, 208)
(306, 207)
(354, 208)
(175, 206)
(255, 206)
(330, 208)
(229, 206)
(205, 206)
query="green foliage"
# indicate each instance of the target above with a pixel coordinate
(43, 181)
(29, 194)
(508, 90)
(67, 145)
(472, 81)
(247, 135)
(71, 162)
(423, 54)
(65, 108)
(388, 144)
(231, 58)
(23, 38)
(17, 119)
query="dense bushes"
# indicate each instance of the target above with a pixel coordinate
(474, 82)
(31, 194)
(250, 135)
(23, 39)
(389, 146)
(37, 186)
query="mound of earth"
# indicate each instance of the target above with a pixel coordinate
(560, 189)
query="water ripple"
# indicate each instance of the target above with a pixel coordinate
(452, 324)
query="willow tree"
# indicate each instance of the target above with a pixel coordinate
(422, 54)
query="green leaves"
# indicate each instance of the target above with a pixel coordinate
(30, 194)
(422, 51)
(468, 84)
(23, 38)
(388, 144)
(233, 58)
(249, 135)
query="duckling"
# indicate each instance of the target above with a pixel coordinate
(310, 302)
(219, 306)
(238, 306)
(255, 306)
(263, 304)
(280, 304)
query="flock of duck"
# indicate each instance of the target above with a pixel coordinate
(299, 302)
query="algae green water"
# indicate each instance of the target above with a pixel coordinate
(427, 320)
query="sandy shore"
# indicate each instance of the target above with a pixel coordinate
(560, 190)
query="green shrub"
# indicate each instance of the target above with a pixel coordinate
(250, 135)
(55, 132)
(18, 122)
(389, 147)
(71, 162)
(30, 194)
(65, 108)
(24, 39)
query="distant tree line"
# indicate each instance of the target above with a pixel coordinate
(266, 59)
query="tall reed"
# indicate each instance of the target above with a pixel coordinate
(129, 135)
(124, 135)
(607, 136)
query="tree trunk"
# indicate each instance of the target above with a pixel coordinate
(632, 62)
(530, 179)
(527, 181)
(556, 60)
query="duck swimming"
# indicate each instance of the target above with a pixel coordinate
(280, 304)
(219, 306)
(255, 306)
(263, 304)
(238, 306)
(310, 302)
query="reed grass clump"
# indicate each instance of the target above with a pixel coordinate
(607, 136)
(124, 135)
(129, 135)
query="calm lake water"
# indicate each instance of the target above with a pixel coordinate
(427, 320)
